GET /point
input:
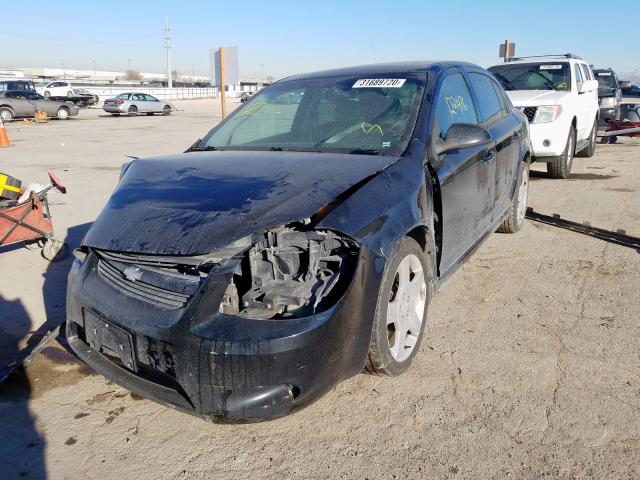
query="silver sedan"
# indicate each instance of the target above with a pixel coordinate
(25, 103)
(134, 103)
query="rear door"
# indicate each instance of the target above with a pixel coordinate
(583, 100)
(138, 100)
(495, 116)
(20, 104)
(466, 176)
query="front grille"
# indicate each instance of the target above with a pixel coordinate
(166, 290)
(529, 112)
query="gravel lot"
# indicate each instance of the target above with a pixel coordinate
(530, 368)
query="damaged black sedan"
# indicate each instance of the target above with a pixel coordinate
(300, 241)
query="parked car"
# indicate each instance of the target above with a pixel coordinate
(56, 89)
(609, 95)
(297, 244)
(84, 97)
(134, 103)
(558, 94)
(17, 85)
(25, 103)
(246, 96)
(630, 90)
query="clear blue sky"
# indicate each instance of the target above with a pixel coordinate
(296, 36)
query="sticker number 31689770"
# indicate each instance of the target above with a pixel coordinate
(379, 83)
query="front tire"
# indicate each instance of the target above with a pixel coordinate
(401, 311)
(518, 209)
(561, 168)
(63, 113)
(69, 94)
(47, 95)
(590, 150)
(166, 110)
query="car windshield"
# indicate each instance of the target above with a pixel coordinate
(533, 76)
(335, 114)
(605, 79)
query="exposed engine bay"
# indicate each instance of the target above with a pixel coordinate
(290, 273)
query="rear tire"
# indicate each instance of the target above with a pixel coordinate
(133, 111)
(613, 139)
(590, 150)
(515, 218)
(6, 114)
(561, 167)
(401, 311)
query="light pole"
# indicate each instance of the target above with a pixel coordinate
(262, 74)
(193, 73)
(94, 70)
(64, 71)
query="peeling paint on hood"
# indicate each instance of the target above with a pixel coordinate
(199, 202)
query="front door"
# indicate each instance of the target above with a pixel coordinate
(466, 176)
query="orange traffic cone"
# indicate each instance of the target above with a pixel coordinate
(4, 138)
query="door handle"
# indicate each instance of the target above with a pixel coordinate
(516, 135)
(488, 155)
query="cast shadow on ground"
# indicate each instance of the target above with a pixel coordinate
(536, 175)
(22, 448)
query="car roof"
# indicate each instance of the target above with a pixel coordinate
(377, 69)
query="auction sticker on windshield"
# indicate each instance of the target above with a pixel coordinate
(550, 67)
(379, 83)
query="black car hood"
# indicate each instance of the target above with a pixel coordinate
(199, 202)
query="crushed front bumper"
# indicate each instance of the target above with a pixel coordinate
(220, 367)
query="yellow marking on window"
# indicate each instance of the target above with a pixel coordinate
(371, 127)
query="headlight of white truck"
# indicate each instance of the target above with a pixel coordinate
(547, 113)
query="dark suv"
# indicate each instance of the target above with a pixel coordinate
(27, 85)
(609, 95)
(300, 241)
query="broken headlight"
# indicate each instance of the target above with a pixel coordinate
(291, 273)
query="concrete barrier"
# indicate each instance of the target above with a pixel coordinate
(159, 92)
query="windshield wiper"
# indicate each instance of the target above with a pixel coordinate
(208, 148)
(365, 151)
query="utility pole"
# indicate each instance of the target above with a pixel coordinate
(94, 70)
(167, 45)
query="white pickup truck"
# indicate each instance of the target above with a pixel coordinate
(559, 96)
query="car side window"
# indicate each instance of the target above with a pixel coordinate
(489, 105)
(151, 99)
(453, 105)
(576, 70)
(123, 96)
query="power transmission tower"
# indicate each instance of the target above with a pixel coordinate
(167, 45)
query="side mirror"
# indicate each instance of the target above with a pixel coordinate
(588, 86)
(463, 135)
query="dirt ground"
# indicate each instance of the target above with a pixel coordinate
(530, 367)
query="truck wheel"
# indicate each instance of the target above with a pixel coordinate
(401, 311)
(590, 149)
(133, 111)
(561, 167)
(515, 218)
